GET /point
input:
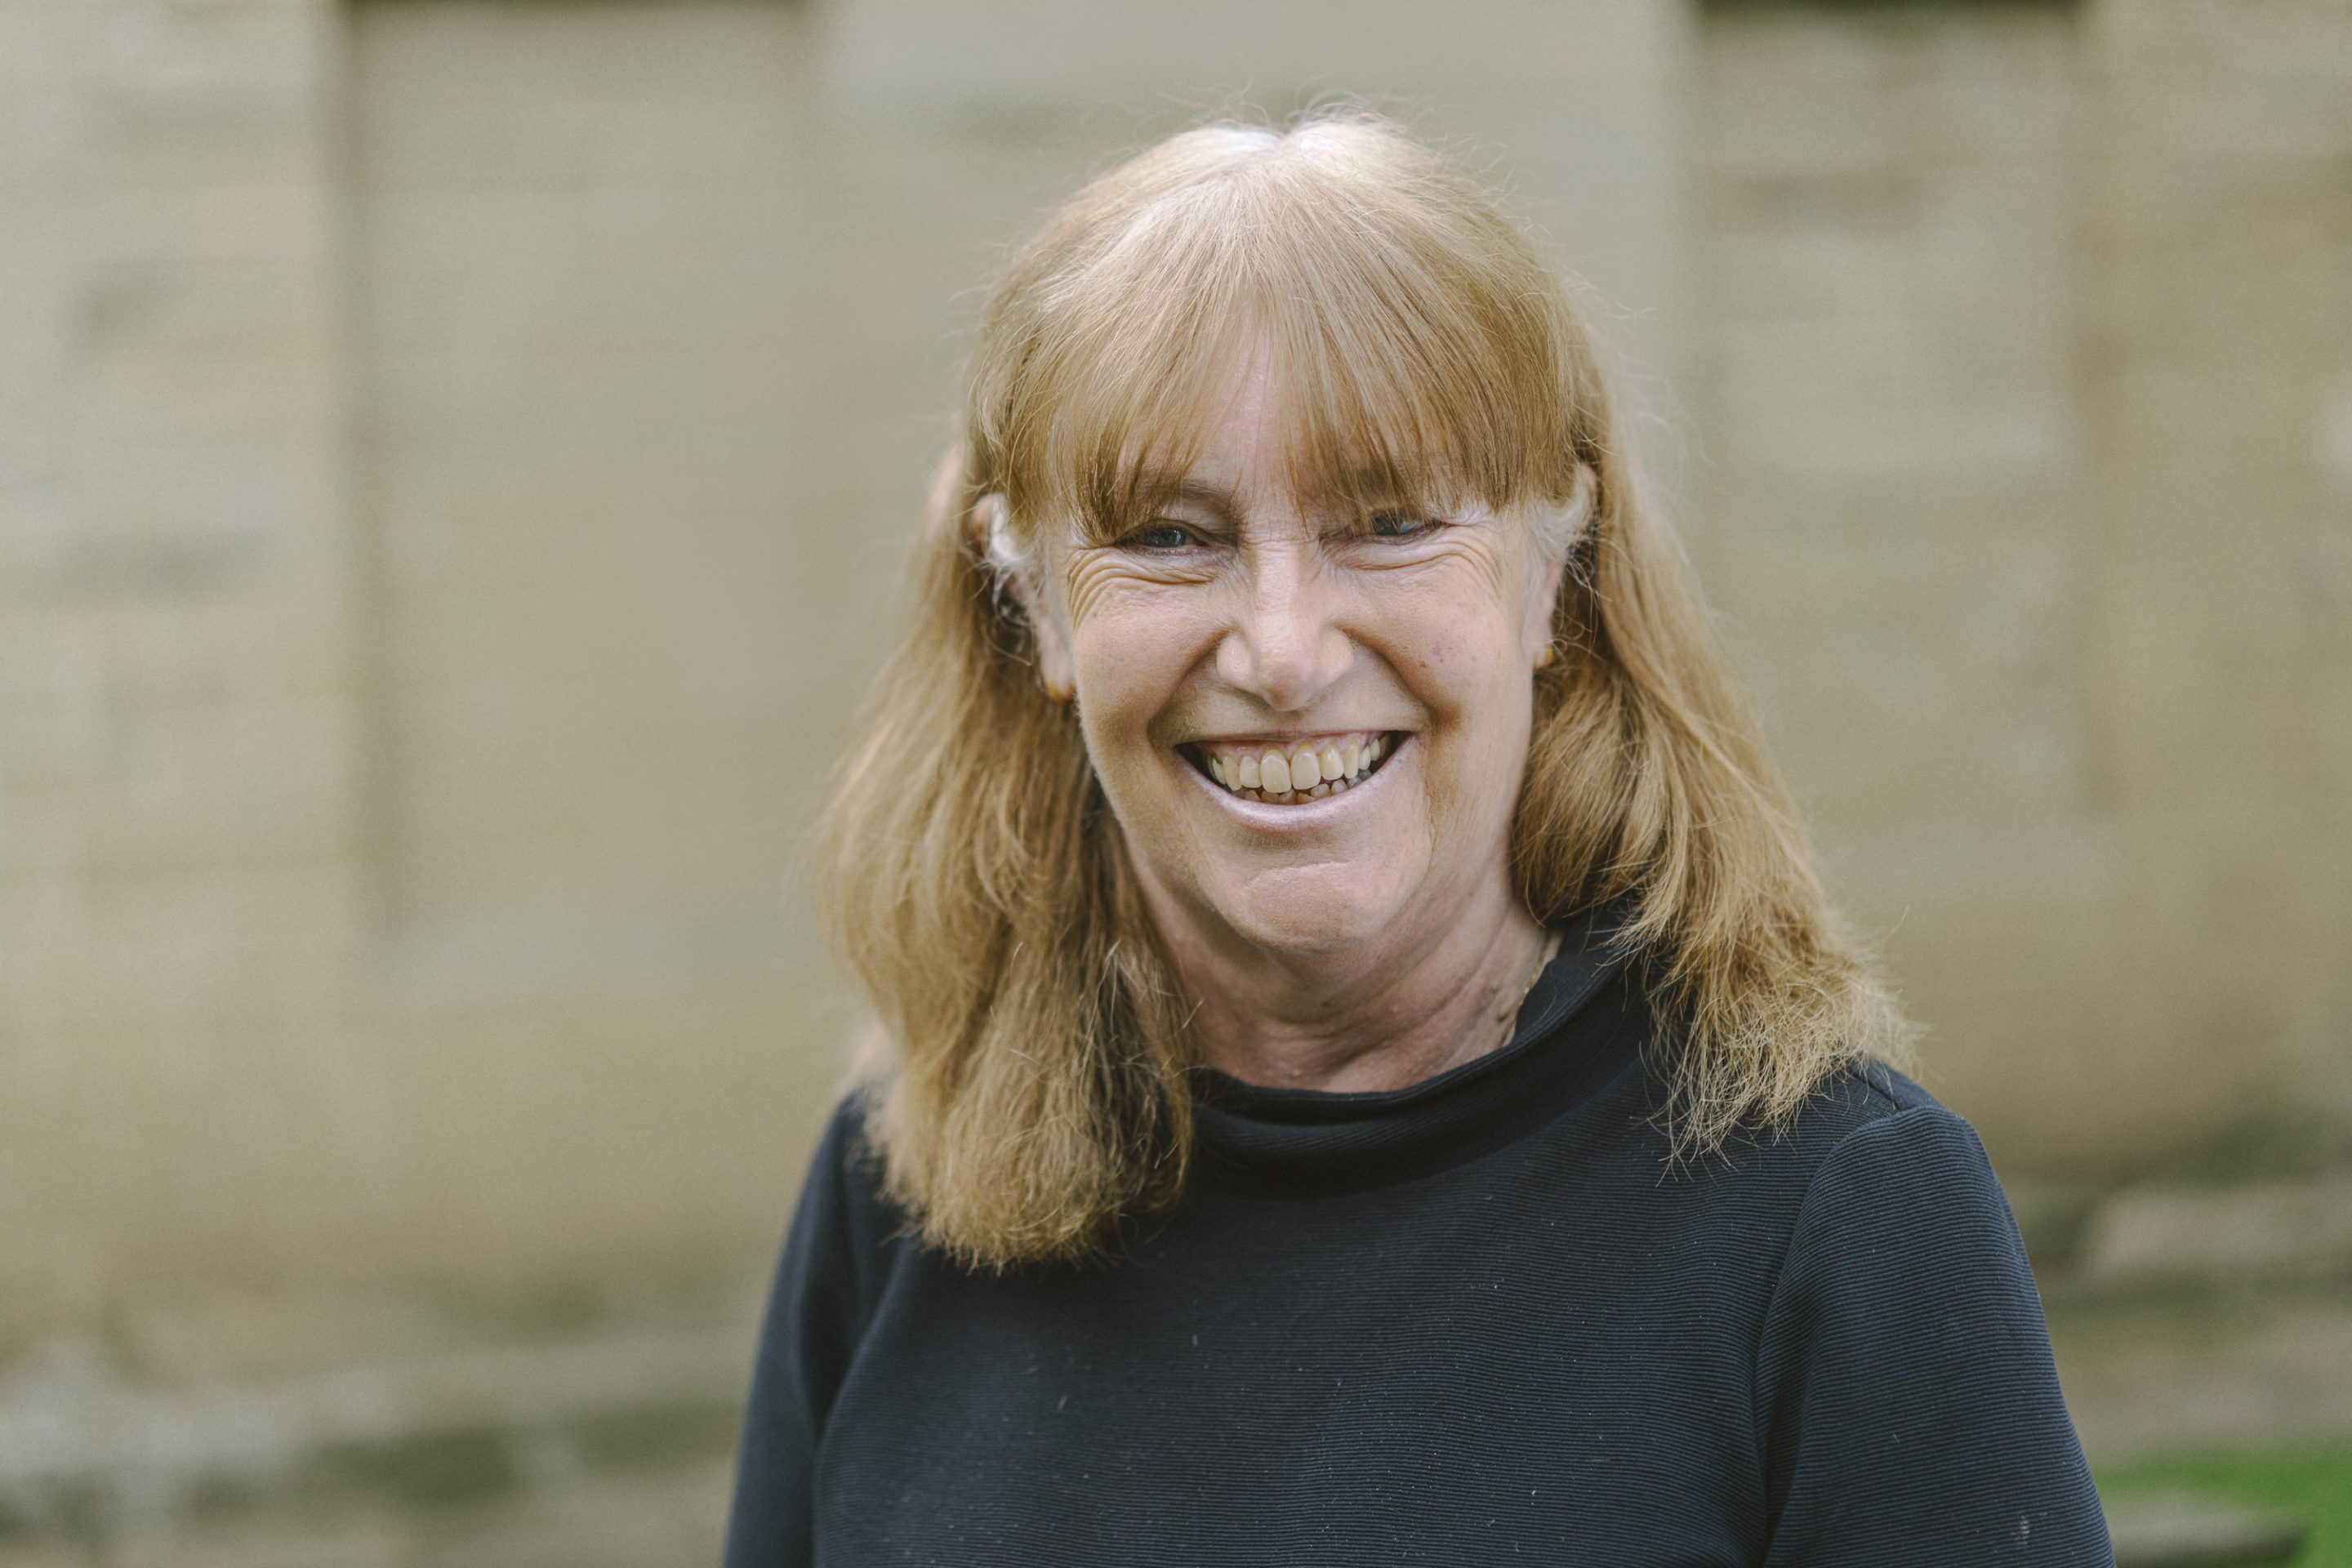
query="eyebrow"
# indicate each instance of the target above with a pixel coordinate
(1369, 485)
(1159, 492)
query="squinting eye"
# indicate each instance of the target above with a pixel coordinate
(1163, 536)
(1397, 525)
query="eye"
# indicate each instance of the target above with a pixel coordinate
(1160, 536)
(1397, 525)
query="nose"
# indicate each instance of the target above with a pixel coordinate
(1283, 647)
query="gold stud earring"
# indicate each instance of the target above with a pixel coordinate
(1057, 692)
(1543, 656)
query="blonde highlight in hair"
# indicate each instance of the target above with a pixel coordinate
(974, 878)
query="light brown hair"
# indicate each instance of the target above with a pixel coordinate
(973, 877)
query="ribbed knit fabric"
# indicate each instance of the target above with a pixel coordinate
(1476, 1320)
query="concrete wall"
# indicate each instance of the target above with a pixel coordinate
(2028, 342)
(453, 458)
(183, 1083)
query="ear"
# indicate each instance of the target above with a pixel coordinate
(1022, 573)
(1553, 533)
(1055, 666)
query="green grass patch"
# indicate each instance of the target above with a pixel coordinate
(431, 1471)
(2314, 1485)
(652, 1436)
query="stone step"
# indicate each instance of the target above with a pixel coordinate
(2185, 1531)
(78, 1440)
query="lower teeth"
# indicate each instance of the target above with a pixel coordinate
(1295, 797)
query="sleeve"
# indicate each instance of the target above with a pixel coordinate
(814, 1317)
(1908, 1410)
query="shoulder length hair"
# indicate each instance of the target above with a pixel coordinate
(973, 876)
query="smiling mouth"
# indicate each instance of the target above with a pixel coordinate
(1294, 773)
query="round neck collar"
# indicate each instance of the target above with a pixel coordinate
(1583, 1022)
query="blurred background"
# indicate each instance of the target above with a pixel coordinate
(454, 459)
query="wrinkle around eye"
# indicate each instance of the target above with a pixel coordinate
(1430, 562)
(1374, 552)
(1096, 570)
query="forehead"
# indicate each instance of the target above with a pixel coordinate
(1251, 439)
(1239, 440)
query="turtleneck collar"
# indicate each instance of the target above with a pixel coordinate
(1584, 1021)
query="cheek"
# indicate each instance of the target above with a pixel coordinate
(1132, 657)
(1119, 656)
(1459, 658)
(1463, 608)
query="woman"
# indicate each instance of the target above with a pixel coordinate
(1375, 1079)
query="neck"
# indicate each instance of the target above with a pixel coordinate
(1382, 1014)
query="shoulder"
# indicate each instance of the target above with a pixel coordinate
(1874, 1137)
(1865, 1094)
(1873, 1173)
(1868, 1125)
(845, 1153)
(835, 1261)
(1894, 1207)
(844, 1231)
(845, 1172)
(1905, 1402)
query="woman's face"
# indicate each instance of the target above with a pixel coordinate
(1311, 725)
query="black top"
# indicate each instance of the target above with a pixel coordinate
(1476, 1320)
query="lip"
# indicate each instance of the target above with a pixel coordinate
(1266, 817)
(1285, 739)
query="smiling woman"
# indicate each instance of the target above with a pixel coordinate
(1241, 633)
(1375, 1077)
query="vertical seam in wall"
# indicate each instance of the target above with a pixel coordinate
(379, 827)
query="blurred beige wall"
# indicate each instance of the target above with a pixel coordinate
(454, 458)
(2029, 393)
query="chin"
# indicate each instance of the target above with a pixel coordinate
(1317, 908)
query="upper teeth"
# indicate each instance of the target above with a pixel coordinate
(1306, 770)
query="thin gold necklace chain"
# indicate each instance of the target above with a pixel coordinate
(1549, 951)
